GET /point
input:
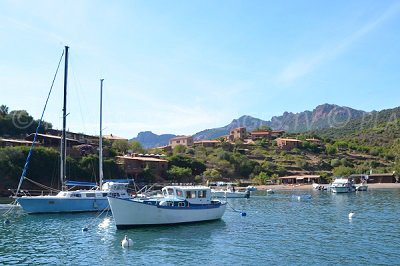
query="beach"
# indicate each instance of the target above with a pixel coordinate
(309, 187)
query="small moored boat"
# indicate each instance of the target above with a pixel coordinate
(229, 192)
(178, 204)
(342, 185)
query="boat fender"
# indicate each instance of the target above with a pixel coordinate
(126, 242)
(163, 203)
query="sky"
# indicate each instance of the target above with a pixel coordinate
(180, 67)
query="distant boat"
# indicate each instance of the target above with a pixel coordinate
(229, 192)
(361, 187)
(342, 185)
(94, 199)
(251, 188)
(178, 204)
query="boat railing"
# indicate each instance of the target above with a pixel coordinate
(32, 192)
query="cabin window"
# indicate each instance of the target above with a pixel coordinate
(190, 194)
(179, 193)
(202, 194)
(181, 204)
(76, 195)
(171, 191)
(105, 194)
(90, 195)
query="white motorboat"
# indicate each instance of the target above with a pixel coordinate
(342, 185)
(361, 187)
(179, 204)
(229, 192)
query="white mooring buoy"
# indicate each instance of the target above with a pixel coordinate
(351, 214)
(126, 242)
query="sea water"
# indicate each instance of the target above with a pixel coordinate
(285, 228)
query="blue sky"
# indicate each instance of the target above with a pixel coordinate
(183, 66)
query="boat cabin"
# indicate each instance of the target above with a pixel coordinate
(191, 194)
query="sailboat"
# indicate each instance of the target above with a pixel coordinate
(68, 201)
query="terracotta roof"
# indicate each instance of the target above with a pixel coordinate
(315, 140)
(113, 137)
(207, 141)
(16, 141)
(181, 137)
(294, 140)
(260, 133)
(50, 137)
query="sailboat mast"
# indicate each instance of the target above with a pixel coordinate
(63, 137)
(101, 135)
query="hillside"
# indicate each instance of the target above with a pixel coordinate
(249, 122)
(375, 128)
(323, 116)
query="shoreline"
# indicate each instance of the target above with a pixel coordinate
(309, 187)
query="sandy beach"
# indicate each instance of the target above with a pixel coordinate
(309, 187)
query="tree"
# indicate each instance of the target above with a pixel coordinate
(179, 149)
(3, 110)
(212, 174)
(122, 146)
(180, 174)
(135, 146)
(343, 171)
(261, 178)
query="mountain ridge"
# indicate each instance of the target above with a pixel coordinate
(321, 117)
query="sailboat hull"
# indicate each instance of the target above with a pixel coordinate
(53, 204)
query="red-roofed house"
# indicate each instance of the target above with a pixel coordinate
(287, 144)
(181, 140)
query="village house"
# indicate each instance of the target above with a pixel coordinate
(315, 141)
(207, 143)
(113, 138)
(181, 140)
(14, 142)
(239, 133)
(51, 140)
(80, 137)
(287, 144)
(265, 134)
(376, 178)
(134, 165)
(277, 133)
(299, 179)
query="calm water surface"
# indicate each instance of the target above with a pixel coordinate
(279, 229)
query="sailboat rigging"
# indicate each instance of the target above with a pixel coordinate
(76, 200)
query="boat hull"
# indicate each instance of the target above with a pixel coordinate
(53, 204)
(342, 189)
(230, 194)
(361, 187)
(130, 213)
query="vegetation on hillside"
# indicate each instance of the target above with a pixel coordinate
(368, 143)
